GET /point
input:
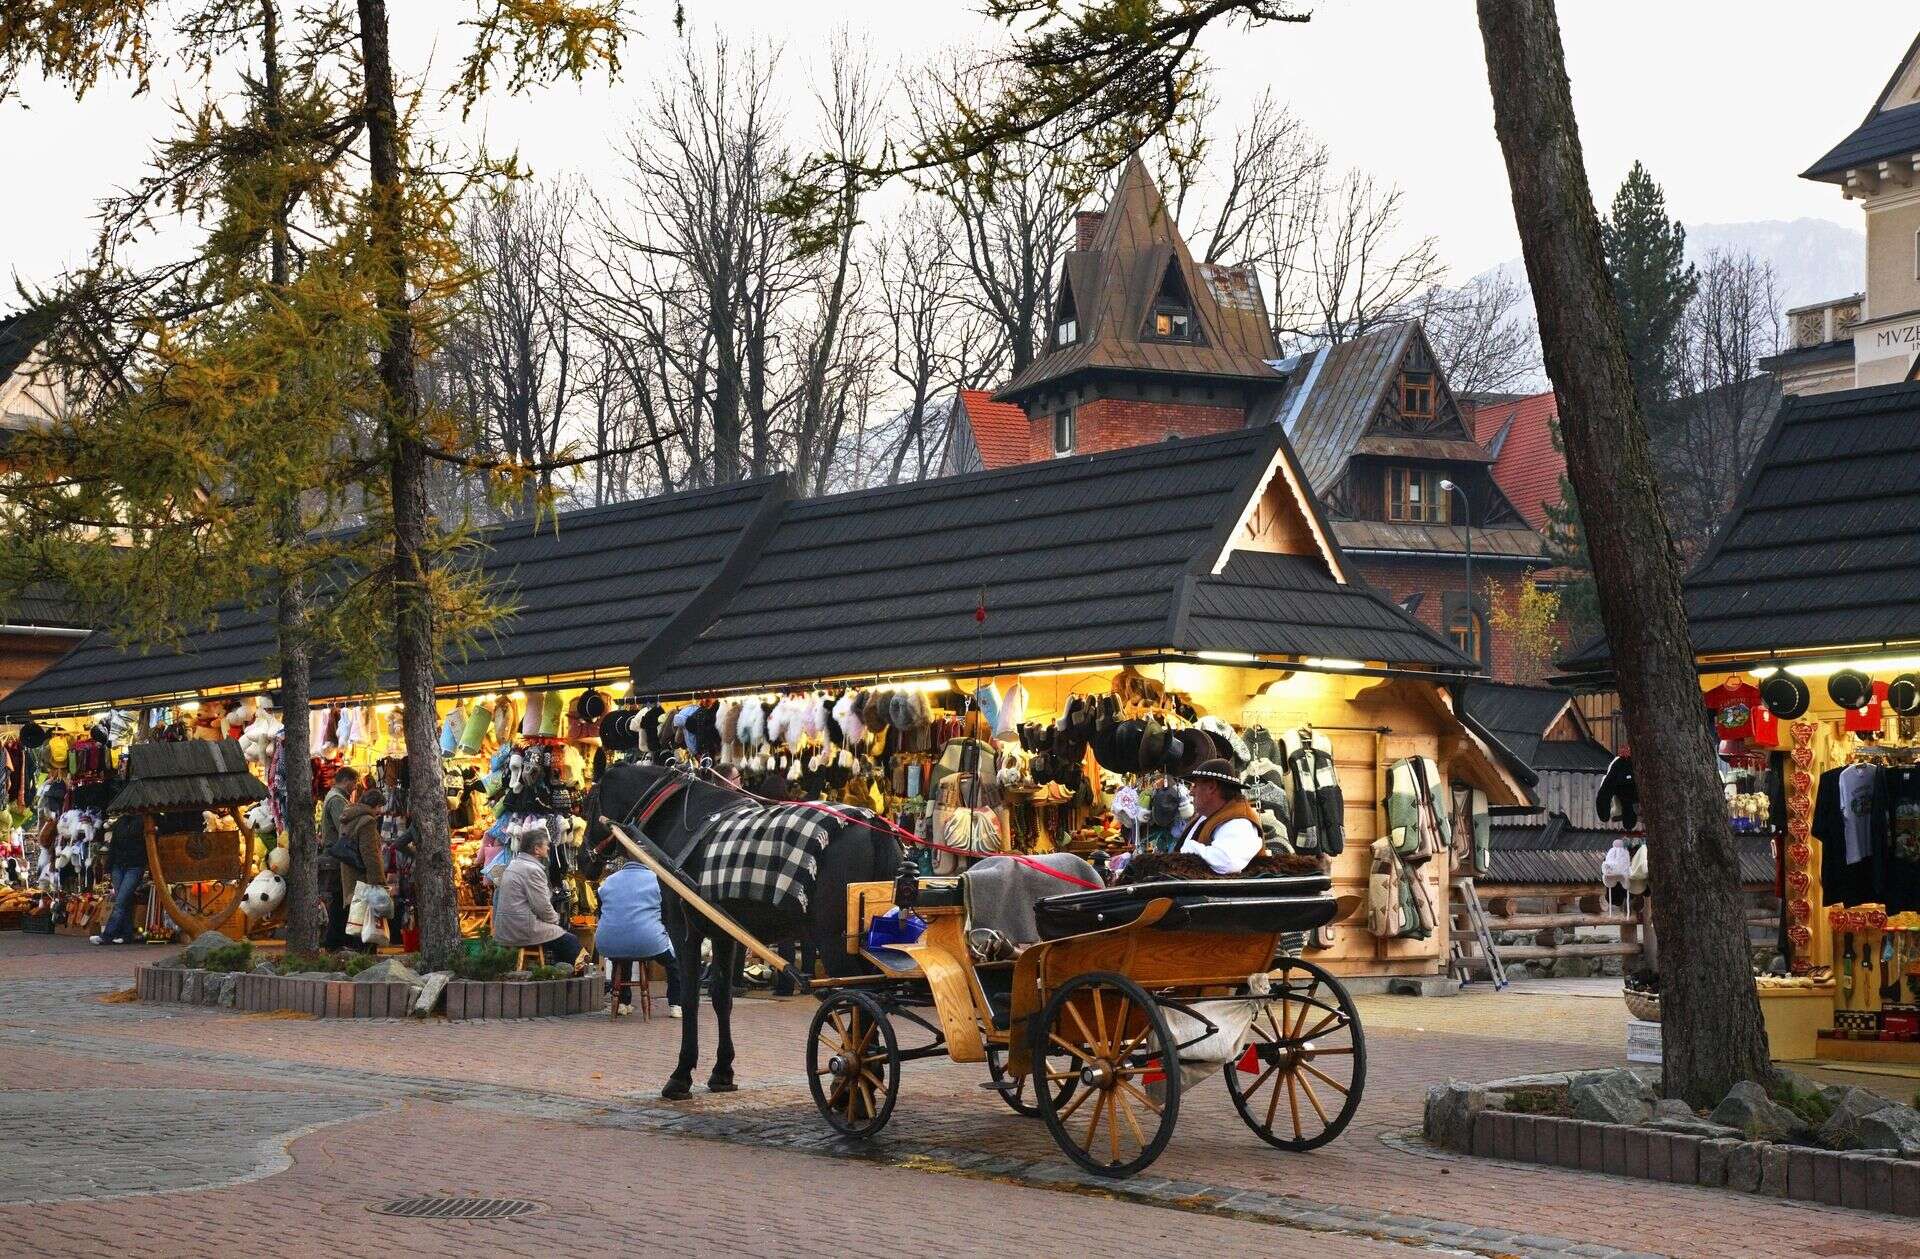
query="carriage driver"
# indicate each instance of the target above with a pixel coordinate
(1225, 831)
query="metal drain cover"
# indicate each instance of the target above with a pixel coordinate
(442, 1208)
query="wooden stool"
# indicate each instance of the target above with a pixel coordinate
(621, 983)
(539, 957)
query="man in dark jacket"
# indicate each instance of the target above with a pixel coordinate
(331, 811)
(127, 863)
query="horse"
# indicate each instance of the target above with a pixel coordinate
(672, 808)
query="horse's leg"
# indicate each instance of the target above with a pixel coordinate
(725, 958)
(686, 945)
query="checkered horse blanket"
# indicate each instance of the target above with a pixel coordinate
(770, 855)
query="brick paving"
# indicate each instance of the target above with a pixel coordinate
(756, 1171)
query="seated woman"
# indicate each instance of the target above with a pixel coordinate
(1225, 831)
(630, 929)
(523, 912)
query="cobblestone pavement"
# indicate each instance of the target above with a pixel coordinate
(211, 1099)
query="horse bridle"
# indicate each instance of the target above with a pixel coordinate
(649, 803)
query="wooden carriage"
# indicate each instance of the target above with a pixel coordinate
(197, 777)
(1097, 1027)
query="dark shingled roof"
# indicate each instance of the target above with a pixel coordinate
(1555, 852)
(1822, 546)
(43, 603)
(19, 334)
(591, 586)
(1093, 554)
(1113, 286)
(1885, 134)
(1333, 397)
(195, 774)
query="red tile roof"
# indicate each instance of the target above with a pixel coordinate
(1519, 434)
(1000, 429)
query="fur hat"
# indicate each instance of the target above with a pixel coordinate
(34, 735)
(875, 711)
(1224, 737)
(726, 721)
(1219, 771)
(751, 726)
(846, 714)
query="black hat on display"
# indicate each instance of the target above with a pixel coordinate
(1850, 688)
(1785, 695)
(1200, 746)
(1903, 694)
(1105, 746)
(591, 706)
(1218, 770)
(1153, 744)
(1126, 746)
(34, 735)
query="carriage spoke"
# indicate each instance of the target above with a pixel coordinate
(1273, 1103)
(1077, 1051)
(1254, 1090)
(1315, 1101)
(1308, 1066)
(1076, 1103)
(1331, 1019)
(1317, 1052)
(1139, 1138)
(1293, 1104)
(1146, 1101)
(1100, 1020)
(1085, 1031)
(1113, 1125)
(1093, 1124)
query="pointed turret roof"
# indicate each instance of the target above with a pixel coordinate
(1111, 289)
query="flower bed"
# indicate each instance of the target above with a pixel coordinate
(328, 997)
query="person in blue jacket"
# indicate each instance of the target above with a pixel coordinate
(630, 929)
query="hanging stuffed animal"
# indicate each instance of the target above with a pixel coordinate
(263, 896)
(847, 714)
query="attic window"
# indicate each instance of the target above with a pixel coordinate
(1414, 496)
(1067, 333)
(1416, 395)
(1170, 318)
(1172, 323)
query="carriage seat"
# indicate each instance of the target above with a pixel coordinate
(999, 894)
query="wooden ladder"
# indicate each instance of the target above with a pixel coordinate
(1470, 941)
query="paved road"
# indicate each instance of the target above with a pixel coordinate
(160, 1129)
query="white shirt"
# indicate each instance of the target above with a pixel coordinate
(1236, 842)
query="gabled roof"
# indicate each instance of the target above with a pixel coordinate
(1891, 128)
(1103, 553)
(1333, 396)
(1112, 288)
(1557, 852)
(1822, 546)
(1501, 542)
(1518, 433)
(1521, 717)
(192, 774)
(1000, 432)
(20, 333)
(591, 586)
(43, 603)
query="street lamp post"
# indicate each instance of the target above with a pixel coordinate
(1466, 521)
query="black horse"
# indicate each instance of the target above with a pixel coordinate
(672, 808)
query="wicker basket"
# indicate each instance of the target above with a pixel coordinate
(1644, 1006)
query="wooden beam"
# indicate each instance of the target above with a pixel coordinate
(1896, 172)
(1537, 952)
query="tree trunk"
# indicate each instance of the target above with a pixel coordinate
(304, 918)
(1711, 1028)
(434, 902)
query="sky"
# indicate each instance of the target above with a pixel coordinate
(1724, 100)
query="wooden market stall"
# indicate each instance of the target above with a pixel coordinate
(209, 863)
(1805, 619)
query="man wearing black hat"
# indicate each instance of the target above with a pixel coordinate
(1225, 832)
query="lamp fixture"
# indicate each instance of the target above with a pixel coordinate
(1827, 668)
(1227, 657)
(1333, 663)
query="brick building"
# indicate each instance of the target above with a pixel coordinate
(1145, 344)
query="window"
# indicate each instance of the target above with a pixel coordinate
(1415, 497)
(1068, 332)
(1173, 323)
(1416, 395)
(1466, 625)
(1063, 434)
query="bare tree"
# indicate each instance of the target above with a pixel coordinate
(1706, 439)
(1262, 202)
(1346, 271)
(1484, 334)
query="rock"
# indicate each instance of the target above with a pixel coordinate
(1449, 1115)
(433, 987)
(195, 954)
(1892, 1127)
(1842, 1129)
(1611, 1097)
(1693, 1128)
(1748, 1108)
(518, 975)
(265, 966)
(390, 971)
(1743, 1166)
(1674, 1108)
(1545, 1080)
(224, 990)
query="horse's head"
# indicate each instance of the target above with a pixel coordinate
(622, 795)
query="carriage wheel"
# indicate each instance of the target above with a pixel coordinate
(853, 1063)
(1107, 1036)
(1021, 1100)
(1299, 1081)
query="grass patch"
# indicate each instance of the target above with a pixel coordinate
(485, 959)
(227, 958)
(549, 972)
(1538, 1101)
(1811, 1108)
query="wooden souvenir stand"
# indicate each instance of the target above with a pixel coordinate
(194, 776)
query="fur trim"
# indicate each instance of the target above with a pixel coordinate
(752, 725)
(847, 713)
(812, 717)
(727, 721)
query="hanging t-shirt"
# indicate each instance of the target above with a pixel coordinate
(1866, 718)
(1902, 880)
(1733, 704)
(1860, 787)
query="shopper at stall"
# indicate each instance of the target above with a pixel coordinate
(127, 863)
(523, 912)
(1225, 831)
(358, 847)
(630, 929)
(345, 781)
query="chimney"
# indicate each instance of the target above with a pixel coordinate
(1086, 228)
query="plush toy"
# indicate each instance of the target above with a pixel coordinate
(256, 741)
(260, 818)
(263, 895)
(279, 860)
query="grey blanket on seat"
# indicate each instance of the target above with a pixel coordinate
(1000, 892)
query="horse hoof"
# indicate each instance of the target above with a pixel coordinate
(722, 1086)
(677, 1091)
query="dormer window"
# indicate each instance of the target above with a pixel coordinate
(1414, 496)
(1170, 316)
(1067, 332)
(1173, 323)
(1416, 395)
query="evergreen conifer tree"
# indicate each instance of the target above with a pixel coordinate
(1652, 282)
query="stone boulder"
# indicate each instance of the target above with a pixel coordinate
(1620, 1097)
(1841, 1131)
(1449, 1114)
(1892, 1127)
(1673, 1108)
(1760, 1118)
(390, 971)
(1691, 1127)
(433, 987)
(195, 954)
